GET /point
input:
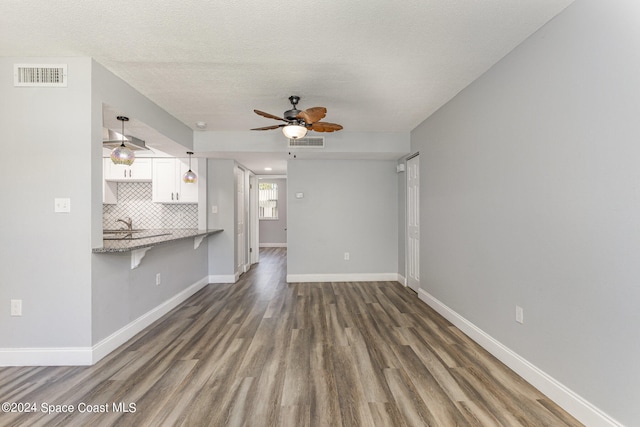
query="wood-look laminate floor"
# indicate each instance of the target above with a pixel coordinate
(262, 352)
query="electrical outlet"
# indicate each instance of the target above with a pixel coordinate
(158, 279)
(16, 307)
(519, 314)
(214, 209)
(346, 256)
(62, 205)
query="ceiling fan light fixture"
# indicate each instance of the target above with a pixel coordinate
(190, 176)
(294, 131)
(298, 122)
(122, 155)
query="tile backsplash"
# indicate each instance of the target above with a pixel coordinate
(134, 201)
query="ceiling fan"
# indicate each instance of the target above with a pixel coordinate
(298, 122)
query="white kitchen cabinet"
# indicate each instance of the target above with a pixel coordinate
(168, 186)
(139, 171)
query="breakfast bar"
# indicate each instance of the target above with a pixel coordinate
(138, 242)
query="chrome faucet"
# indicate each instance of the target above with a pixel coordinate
(128, 222)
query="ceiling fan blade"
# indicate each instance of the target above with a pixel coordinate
(325, 127)
(269, 127)
(312, 115)
(268, 116)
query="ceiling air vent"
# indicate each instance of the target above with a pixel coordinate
(112, 139)
(38, 75)
(314, 142)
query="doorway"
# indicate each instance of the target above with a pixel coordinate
(272, 208)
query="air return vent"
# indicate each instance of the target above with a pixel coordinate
(39, 75)
(314, 142)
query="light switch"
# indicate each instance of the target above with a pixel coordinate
(62, 205)
(16, 307)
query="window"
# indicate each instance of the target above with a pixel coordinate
(268, 200)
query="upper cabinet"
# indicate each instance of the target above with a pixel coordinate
(168, 186)
(139, 171)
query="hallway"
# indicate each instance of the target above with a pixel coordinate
(262, 352)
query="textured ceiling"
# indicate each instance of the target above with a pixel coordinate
(377, 65)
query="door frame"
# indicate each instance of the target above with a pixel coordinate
(254, 224)
(409, 282)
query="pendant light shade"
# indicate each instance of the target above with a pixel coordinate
(190, 177)
(294, 131)
(122, 155)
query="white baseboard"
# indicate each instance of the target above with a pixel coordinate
(363, 277)
(582, 410)
(273, 245)
(402, 280)
(83, 356)
(223, 278)
(65, 356)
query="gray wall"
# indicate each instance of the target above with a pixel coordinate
(221, 192)
(46, 256)
(529, 196)
(274, 231)
(348, 206)
(121, 295)
(374, 145)
(56, 151)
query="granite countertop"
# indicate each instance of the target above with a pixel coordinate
(147, 238)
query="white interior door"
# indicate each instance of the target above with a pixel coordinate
(240, 215)
(413, 223)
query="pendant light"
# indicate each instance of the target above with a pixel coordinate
(122, 155)
(190, 177)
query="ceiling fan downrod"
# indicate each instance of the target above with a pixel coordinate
(291, 115)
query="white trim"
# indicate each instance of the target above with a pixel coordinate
(573, 403)
(402, 280)
(254, 223)
(223, 278)
(82, 356)
(363, 277)
(273, 245)
(65, 356)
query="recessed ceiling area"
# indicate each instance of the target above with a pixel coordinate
(377, 66)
